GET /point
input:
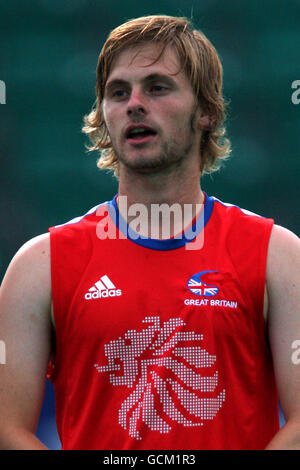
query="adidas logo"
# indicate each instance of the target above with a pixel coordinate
(102, 288)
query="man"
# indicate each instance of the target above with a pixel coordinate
(163, 341)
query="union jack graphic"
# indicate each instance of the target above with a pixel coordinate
(198, 287)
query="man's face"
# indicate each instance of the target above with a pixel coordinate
(150, 110)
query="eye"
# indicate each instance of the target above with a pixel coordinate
(158, 89)
(119, 93)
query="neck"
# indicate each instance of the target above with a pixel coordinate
(178, 190)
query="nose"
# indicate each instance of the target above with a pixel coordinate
(136, 104)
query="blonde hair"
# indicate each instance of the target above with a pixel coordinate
(201, 64)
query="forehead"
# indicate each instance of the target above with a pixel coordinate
(137, 61)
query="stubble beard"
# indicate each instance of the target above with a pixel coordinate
(171, 157)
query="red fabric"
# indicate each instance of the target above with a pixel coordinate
(148, 368)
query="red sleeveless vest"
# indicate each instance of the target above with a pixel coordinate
(162, 344)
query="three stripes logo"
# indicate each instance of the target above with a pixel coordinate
(103, 288)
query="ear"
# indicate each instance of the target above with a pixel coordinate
(204, 121)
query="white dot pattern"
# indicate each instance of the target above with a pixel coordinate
(168, 371)
(195, 356)
(168, 403)
(204, 408)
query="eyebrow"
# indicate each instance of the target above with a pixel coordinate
(148, 79)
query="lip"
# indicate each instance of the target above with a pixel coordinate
(139, 140)
(138, 126)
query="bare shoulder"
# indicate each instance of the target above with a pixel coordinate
(284, 248)
(28, 276)
(283, 265)
(37, 247)
(282, 234)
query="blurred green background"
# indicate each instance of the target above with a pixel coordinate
(48, 57)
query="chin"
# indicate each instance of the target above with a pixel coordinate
(141, 161)
(146, 165)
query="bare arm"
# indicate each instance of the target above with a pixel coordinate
(25, 328)
(283, 283)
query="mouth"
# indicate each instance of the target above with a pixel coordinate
(137, 135)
